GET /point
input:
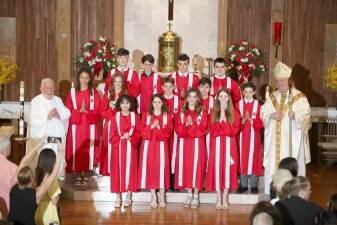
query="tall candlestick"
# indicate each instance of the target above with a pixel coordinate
(21, 109)
(170, 12)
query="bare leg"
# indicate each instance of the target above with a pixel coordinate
(153, 198)
(218, 204)
(188, 200)
(162, 201)
(225, 199)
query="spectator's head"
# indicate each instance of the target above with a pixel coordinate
(333, 203)
(123, 57)
(47, 88)
(262, 218)
(298, 186)
(290, 164)
(5, 146)
(25, 177)
(267, 208)
(280, 177)
(45, 164)
(183, 62)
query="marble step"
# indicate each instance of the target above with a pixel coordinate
(99, 190)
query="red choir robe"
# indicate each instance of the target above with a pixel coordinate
(82, 147)
(174, 104)
(223, 164)
(154, 166)
(227, 83)
(249, 138)
(190, 163)
(150, 85)
(208, 103)
(124, 163)
(131, 80)
(108, 114)
(184, 82)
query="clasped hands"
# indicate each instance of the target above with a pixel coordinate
(278, 116)
(53, 113)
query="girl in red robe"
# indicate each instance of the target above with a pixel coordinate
(222, 172)
(154, 167)
(82, 151)
(108, 111)
(124, 139)
(191, 126)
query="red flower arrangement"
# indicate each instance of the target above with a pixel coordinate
(244, 60)
(98, 55)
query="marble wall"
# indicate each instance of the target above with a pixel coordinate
(195, 21)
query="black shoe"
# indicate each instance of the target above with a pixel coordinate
(254, 190)
(242, 190)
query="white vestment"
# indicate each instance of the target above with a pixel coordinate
(277, 134)
(40, 126)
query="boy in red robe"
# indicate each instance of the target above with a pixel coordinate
(150, 82)
(249, 140)
(204, 87)
(220, 80)
(130, 75)
(183, 78)
(174, 103)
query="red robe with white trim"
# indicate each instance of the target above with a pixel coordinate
(108, 114)
(132, 87)
(222, 171)
(119, 159)
(257, 125)
(147, 90)
(154, 164)
(208, 103)
(80, 122)
(182, 83)
(190, 165)
(221, 83)
(173, 139)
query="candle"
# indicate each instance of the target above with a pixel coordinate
(170, 12)
(267, 93)
(277, 33)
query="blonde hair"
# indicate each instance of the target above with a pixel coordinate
(25, 177)
(280, 177)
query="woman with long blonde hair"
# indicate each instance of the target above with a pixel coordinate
(191, 126)
(222, 172)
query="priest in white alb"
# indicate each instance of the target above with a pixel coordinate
(48, 118)
(286, 117)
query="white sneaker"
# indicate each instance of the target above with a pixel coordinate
(188, 200)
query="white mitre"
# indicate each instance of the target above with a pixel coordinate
(282, 71)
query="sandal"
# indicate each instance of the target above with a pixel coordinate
(225, 205)
(218, 205)
(162, 201)
(118, 202)
(85, 183)
(127, 203)
(78, 182)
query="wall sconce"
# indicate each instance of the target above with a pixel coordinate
(277, 36)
